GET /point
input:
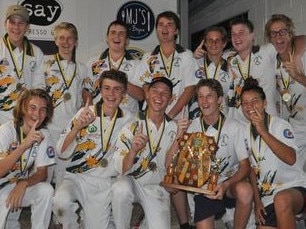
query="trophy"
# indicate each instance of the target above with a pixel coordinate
(194, 165)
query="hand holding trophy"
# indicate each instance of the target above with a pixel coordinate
(195, 164)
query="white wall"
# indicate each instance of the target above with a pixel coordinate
(295, 9)
(259, 12)
(92, 18)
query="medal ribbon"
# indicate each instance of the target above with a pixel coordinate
(66, 81)
(220, 125)
(19, 72)
(218, 67)
(163, 57)
(142, 169)
(153, 148)
(255, 152)
(111, 66)
(245, 76)
(106, 138)
(286, 82)
(24, 161)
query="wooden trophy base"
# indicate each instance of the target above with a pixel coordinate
(187, 188)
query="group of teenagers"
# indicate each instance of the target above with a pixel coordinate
(96, 138)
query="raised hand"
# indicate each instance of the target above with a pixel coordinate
(139, 141)
(183, 123)
(293, 68)
(257, 120)
(86, 117)
(34, 136)
(199, 52)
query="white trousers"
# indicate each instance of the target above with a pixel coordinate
(12, 220)
(94, 195)
(38, 196)
(154, 200)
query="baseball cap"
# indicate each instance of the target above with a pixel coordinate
(19, 11)
(164, 80)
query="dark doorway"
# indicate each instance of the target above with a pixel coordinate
(197, 37)
(47, 47)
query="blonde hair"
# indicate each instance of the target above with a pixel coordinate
(67, 26)
(279, 18)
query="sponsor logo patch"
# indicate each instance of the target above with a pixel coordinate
(288, 134)
(50, 152)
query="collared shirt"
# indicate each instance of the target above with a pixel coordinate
(89, 142)
(147, 168)
(34, 157)
(127, 65)
(219, 73)
(295, 109)
(66, 94)
(258, 67)
(10, 84)
(182, 71)
(273, 174)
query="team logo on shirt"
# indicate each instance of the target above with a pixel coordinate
(92, 129)
(258, 60)
(50, 152)
(200, 73)
(136, 52)
(224, 139)
(288, 134)
(172, 135)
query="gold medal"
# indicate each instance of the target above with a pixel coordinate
(286, 96)
(67, 96)
(104, 163)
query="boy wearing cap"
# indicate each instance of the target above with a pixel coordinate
(20, 61)
(141, 159)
